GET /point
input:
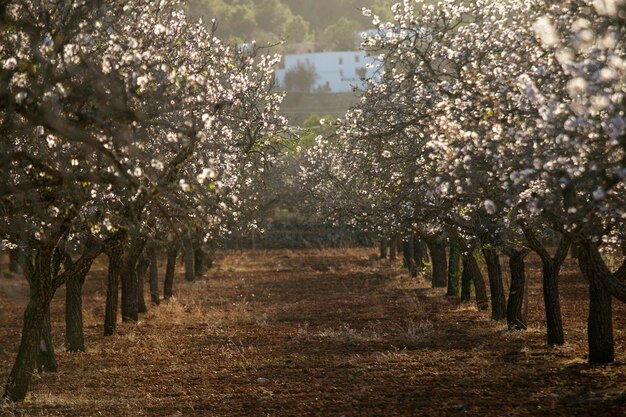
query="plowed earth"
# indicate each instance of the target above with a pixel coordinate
(333, 333)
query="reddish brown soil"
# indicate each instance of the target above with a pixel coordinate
(333, 333)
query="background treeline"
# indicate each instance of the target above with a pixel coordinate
(329, 23)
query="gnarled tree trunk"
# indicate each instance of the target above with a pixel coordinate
(188, 256)
(46, 361)
(470, 266)
(170, 270)
(421, 254)
(393, 248)
(113, 284)
(128, 273)
(438, 261)
(516, 314)
(383, 248)
(39, 274)
(466, 285)
(600, 320)
(409, 256)
(199, 259)
(154, 275)
(552, 303)
(454, 269)
(74, 333)
(142, 271)
(496, 286)
(550, 274)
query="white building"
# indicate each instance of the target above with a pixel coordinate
(337, 72)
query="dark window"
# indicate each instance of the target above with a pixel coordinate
(340, 61)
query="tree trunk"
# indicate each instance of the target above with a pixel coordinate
(142, 271)
(515, 316)
(113, 284)
(39, 274)
(466, 285)
(170, 270)
(496, 286)
(14, 261)
(409, 256)
(454, 269)
(19, 379)
(552, 302)
(438, 261)
(383, 248)
(154, 275)
(393, 248)
(74, 335)
(130, 305)
(420, 253)
(189, 259)
(471, 266)
(46, 361)
(198, 259)
(600, 320)
(550, 273)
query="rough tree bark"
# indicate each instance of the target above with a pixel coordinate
(154, 275)
(614, 282)
(438, 261)
(199, 258)
(470, 266)
(128, 273)
(142, 271)
(46, 360)
(114, 254)
(170, 270)
(600, 320)
(516, 314)
(466, 285)
(409, 256)
(41, 265)
(74, 336)
(19, 379)
(550, 274)
(420, 253)
(393, 248)
(39, 271)
(496, 285)
(74, 333)
(454, 269)
(383, 248)
(188, 258)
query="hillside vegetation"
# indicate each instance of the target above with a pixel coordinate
(326, 22)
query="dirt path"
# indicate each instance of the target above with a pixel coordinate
(320, 333)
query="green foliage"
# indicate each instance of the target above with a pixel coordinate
(312, 127)
(340, 35)
(301, 78)
(294, 20)
(272, 16)
(297, 30)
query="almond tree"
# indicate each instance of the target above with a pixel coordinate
(111, 113)
(575, 181)
(475, 126)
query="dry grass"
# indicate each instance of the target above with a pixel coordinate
(318, 333)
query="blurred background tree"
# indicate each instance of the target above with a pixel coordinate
(301, 78)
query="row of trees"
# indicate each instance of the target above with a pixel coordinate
(124, 128)
(494, 126)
